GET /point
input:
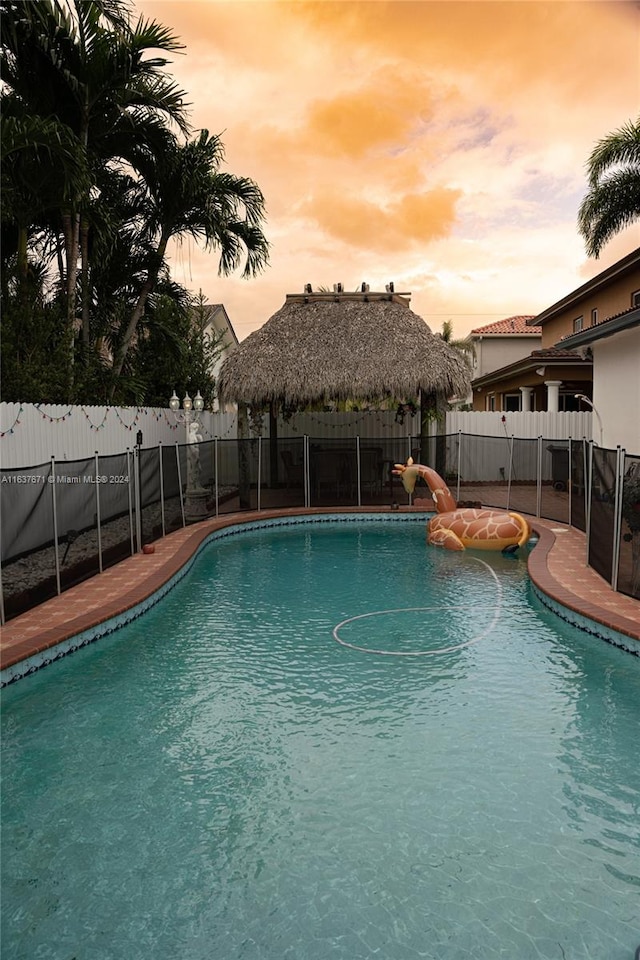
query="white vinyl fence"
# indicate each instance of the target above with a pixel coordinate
(31, 434)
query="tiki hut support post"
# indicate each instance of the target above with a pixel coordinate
(273, 444)
(244, 476)
(427, 404)
(433, 406)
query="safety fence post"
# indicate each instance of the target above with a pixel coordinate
(510, 470)
(97, 470)
(539, 479)
(55, 522)
(307, 480)
(129, 480)
(137, 496)
(164, 533)
(588, 486)
(215, 467)
(570, 480)
(617, 518)
(184, 521)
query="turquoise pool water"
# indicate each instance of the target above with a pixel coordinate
(223, 778)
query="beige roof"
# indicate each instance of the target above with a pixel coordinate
(339, 346)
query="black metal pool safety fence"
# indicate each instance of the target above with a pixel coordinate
(64, 521)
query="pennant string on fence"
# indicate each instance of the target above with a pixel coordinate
(46, 416)
(16, 423)
(128, 426)
(337, 426)
(93, 425)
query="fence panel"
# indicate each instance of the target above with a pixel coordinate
(288, 470)
(26, 510)
(578, 490)
(150, 508)
(602, 511)
(77, 493)
(629, 559)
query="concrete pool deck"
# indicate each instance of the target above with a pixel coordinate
(557, 567)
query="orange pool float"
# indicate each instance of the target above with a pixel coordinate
(458, 529)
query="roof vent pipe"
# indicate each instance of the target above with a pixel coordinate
(337, 288)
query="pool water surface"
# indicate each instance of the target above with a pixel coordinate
(234, 775)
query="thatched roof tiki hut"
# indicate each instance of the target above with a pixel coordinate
(338, 346)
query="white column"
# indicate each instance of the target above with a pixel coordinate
(553, 389)
(526, 399)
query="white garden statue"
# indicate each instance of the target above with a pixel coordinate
(193, 457)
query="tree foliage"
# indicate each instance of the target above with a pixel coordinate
(100, 171)
(612, 202)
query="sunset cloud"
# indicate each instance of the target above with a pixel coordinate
(414, 218)
(442, 144)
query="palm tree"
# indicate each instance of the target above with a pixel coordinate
(81, 62)
(613, 200)
(186, 194)
(465, 347)
(135, 185)
(41, 167)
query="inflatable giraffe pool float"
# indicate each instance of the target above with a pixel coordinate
(457, 529)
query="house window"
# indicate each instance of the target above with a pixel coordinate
(594, 317)
(511, 401)
(635, 298)
(568, 402)
(578, 324)
(491, 401)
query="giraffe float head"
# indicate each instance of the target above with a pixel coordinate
(409, 473)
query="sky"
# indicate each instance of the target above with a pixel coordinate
(439, 145)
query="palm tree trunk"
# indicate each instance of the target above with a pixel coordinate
(71, 230)
(146, 291)
(84, 280)
(23, 263)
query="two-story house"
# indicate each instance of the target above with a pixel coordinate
(551, 376)
(501, 344)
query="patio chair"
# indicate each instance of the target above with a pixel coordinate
(371, 468)
(293, 471)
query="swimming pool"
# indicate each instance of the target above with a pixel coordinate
(225, 778)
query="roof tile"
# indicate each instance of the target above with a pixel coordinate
(516, 324)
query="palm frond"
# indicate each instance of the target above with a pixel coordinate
(608, 208)
(620, 147)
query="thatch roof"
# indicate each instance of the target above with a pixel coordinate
(320, 347)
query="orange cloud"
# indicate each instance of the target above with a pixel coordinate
(415, 218)
(383, 112)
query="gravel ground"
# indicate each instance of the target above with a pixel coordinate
(28, 572)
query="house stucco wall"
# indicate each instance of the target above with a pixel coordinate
(494, 352)
(609, 301)
(616, 390)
